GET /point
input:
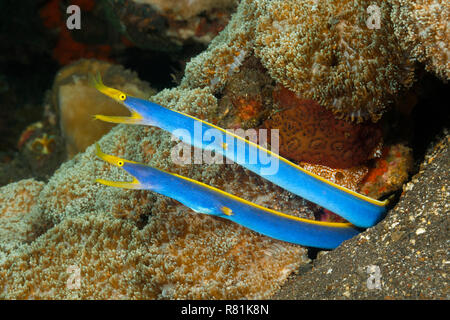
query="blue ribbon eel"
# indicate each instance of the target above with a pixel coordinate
(360, 210)
(203, 198)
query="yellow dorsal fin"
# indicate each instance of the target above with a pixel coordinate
(227, 211)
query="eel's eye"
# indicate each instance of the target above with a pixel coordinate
(122, 96)
(120, 163)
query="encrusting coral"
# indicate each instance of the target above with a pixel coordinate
(422, 28)
(18, 219)
(311, 133)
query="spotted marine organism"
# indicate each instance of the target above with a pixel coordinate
(358, 209)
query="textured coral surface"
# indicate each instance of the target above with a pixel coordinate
(308, 132)
(324, 50)
(320, 50)
(17, 215)
(422, 28)
(168, 25)
(185, 9)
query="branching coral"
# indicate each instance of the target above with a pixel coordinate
(422, 28)
(323, 50)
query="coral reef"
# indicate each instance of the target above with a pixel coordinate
(409, 247)
(387, 175)
(319, 50)
(311, 133)
(136, 244)
(167, 25)
(422, 29)
(76, 101)
(117, 261)
(150, 246)
(40, 150)
(325, 51)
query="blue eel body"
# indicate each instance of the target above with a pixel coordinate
(358, 209)
(203, 198)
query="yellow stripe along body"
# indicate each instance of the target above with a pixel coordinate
(209, 200)
(358, 209)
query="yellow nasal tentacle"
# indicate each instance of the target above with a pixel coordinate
(115, 94)
(110, 158)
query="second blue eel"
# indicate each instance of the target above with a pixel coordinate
(358, 209)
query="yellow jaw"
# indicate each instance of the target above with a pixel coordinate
(135, 118)
(118, 162)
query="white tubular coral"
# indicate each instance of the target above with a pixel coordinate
(326, 51)
(423, 29)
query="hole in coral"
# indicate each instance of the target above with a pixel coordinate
(313, 252)
(143, 220)
(339, 176)
(334, 61)
(430, 115)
